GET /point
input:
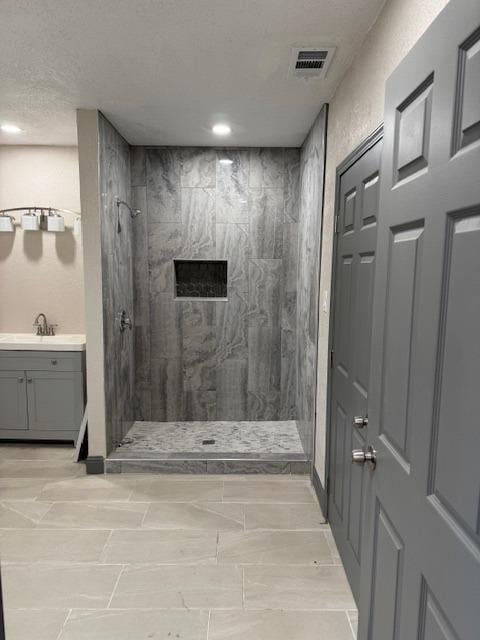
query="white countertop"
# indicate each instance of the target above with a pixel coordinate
(31, 342)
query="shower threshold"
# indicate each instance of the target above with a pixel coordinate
(210, 447)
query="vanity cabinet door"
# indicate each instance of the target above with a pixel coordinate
(13, 400)
(55, 400)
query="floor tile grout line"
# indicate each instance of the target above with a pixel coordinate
(208, 623)
(64, 624)
(354, 635)
(116, 585)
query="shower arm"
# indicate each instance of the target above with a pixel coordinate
(133, 212)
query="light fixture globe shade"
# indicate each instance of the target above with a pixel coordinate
(221, 129)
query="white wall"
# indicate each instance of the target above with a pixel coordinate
(355, 111)
(40, 271)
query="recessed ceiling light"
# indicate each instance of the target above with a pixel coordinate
(10, 128)
(221, 129)
(225, 161)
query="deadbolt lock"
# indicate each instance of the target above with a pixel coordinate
(360, 421)
(359, 456)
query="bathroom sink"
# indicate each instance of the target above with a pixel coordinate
(31, 342)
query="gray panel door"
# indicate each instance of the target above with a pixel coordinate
(55, 400)
(421, 562)
(357, 209)
(13, 400)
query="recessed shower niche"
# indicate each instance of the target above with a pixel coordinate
(201, 279)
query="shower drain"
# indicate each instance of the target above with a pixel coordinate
(208, 441)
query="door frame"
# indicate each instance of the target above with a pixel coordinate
(370, 141)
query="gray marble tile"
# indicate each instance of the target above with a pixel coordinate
(266, 214)
(278, 625)
(232, 186)
(265, 285)
(198, 167)
(69, 587)
(200, 405)
(41, 624)
(233, 245)
(162, 547)
(268, 491)
(297, 587)
(266, 168)
(23, 514)
(273, 547)
(166, 326)
(231, 328)
(140, 223)
(310, 223)
(149, 466)
(292, 185)
(138, 166)
(140, 624)
(150, 439)
(264, 372)
(197, 587)
(232, 382)
(167, 401)
(198, 342)
(141, 295)
(210, 516)
(247, 467)
(290, 257)
(165, 243)
(198, 217)
(284, 516)
(44, 545)
(163, 185)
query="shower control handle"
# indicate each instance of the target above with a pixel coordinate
(124, 321)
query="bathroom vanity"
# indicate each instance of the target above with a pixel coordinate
(42, 386)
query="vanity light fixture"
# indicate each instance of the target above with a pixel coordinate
(6, 224)
(225, 161)
(221, 129)
(38, 218)
(55, 222)
(10, 128)
(30, 221)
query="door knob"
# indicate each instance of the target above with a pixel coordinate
(360, 421)
(359, 456)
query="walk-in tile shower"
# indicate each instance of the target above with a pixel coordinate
(222, 286)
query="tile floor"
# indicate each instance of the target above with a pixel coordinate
(224, 437)
(166, 557)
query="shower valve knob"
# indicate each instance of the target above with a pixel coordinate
(124, 321)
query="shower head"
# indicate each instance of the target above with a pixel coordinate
(133, 212)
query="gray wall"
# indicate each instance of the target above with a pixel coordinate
(312, 163)
(234, 360)
(117, 282)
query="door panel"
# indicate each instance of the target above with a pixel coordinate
(421, 503)
(54, 400)
(13, 400)
(353, 294)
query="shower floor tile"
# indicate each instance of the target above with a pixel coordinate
(210, 439)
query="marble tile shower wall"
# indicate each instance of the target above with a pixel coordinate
(117, 285)
(312, 164)
(206, 360)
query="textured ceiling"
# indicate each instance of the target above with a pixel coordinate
(165, 70)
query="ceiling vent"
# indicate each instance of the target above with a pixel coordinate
(311, 62)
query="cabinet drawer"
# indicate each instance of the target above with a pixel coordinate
(40, 361)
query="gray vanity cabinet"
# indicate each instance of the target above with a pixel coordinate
(13, 401)
(42, 395)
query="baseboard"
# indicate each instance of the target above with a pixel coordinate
(320, 492)
(95, 465)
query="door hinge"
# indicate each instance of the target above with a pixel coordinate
(332, 354)
(336, 223)
(327, 486)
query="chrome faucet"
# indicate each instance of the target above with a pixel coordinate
(43, 328)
